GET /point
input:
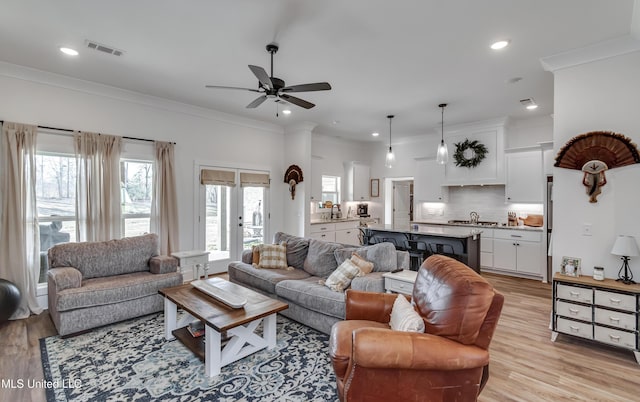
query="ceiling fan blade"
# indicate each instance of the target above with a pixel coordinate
(297, 101)
(261, 75)
(316, 86)
(223, 87)
(257, 102)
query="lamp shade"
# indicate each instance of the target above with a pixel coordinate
(625, 246)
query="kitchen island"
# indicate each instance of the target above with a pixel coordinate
(461, 243)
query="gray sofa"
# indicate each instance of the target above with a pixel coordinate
(92, 284)
(310, 302)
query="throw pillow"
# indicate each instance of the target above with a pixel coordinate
(340, 279)
(255, 255)
(273, 256)
(365, 266)
(404, 317)
(297, 248)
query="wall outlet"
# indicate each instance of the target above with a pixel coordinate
(587, 229)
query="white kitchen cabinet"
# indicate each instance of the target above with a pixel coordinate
(427, 182)
(524, 176)
(491, 169)
(348, 233)
(357, 186)
(518, 251)
(316, 180)
(486, 248)
(323, 231)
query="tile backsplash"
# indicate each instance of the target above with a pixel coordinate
(487, 201)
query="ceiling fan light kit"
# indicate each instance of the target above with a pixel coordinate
(442, 155)
(390, 160)
(275, 88)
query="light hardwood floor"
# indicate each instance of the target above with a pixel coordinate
(525, 364)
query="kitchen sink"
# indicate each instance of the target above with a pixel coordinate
(479, 223)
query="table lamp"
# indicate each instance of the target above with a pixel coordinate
(625, 246)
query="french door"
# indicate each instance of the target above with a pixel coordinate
(232, 213)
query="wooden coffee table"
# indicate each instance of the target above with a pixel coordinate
(239, 324)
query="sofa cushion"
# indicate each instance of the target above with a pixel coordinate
(383, 255)
(310, 294)
(106, 258)
(262, 279)
(320, 259)
(115, 289)
(340, 279)
(373, 282)
(297, 248)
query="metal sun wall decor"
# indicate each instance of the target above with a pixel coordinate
(595, 152)
(293, 176)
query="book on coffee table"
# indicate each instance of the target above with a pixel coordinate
(196, 328)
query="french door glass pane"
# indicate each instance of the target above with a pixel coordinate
(218, 221)
(253, 205)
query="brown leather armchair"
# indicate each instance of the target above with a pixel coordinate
(449, 362)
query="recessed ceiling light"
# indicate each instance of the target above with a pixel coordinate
(529, 103)
(532, 107)
(69, 51)
(375, 134)
(501, 44)
(286, 111)
(336, 122)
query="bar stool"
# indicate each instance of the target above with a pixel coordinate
(418, 251)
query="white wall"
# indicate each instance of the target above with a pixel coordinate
(297, 151)
(526, 132)
(601, 95)
(204, 136)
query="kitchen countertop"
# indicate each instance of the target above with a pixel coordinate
(325, 221)
(435, 230)
(530, 228)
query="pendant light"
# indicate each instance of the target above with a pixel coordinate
(443, 153)
(391, 158)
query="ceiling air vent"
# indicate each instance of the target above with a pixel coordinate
(527, 102)
(104, 48)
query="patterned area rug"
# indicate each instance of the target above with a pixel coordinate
(132, 361)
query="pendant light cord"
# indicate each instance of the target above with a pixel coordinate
(390, 117)
(442, 106)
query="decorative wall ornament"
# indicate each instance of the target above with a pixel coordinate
(595, 152)
(293, 176)
(469, 154)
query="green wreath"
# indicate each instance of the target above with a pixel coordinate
(479, 153)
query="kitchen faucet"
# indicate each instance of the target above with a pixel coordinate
(474, 217)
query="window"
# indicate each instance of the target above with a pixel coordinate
(136, 181)
(56, 202)
(331, 189)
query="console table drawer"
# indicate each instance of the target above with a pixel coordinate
(575, 328)
(398, 286)
(575, 293)
(576, 311)
(615, 337)
(615, 300)
(615, 319)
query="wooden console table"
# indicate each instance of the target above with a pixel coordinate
(602, 311)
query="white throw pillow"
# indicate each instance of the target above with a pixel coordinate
(340, 279)
(404, 317)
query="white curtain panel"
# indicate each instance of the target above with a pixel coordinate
(98, 186)
(19, 234)
(164, 206)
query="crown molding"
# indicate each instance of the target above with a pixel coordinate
(29, 74)
(597, 51)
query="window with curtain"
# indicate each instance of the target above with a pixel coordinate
(136, 181)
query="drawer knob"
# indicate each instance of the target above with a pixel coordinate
(614, 319)
(574, 329)
(614, 301)
(573, 311)
(614, 338)
(574, 294)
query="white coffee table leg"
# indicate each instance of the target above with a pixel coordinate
(170, 318)
(270, 333)
(212, 352)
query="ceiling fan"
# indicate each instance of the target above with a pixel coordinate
(274, 88)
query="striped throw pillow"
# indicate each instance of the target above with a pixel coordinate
(340, 279)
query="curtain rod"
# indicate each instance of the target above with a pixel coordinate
(66, 130)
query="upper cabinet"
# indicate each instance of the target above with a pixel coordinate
(524, 175)
(357, 185)
(489, 170)
(316, 179)
(427, 182)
